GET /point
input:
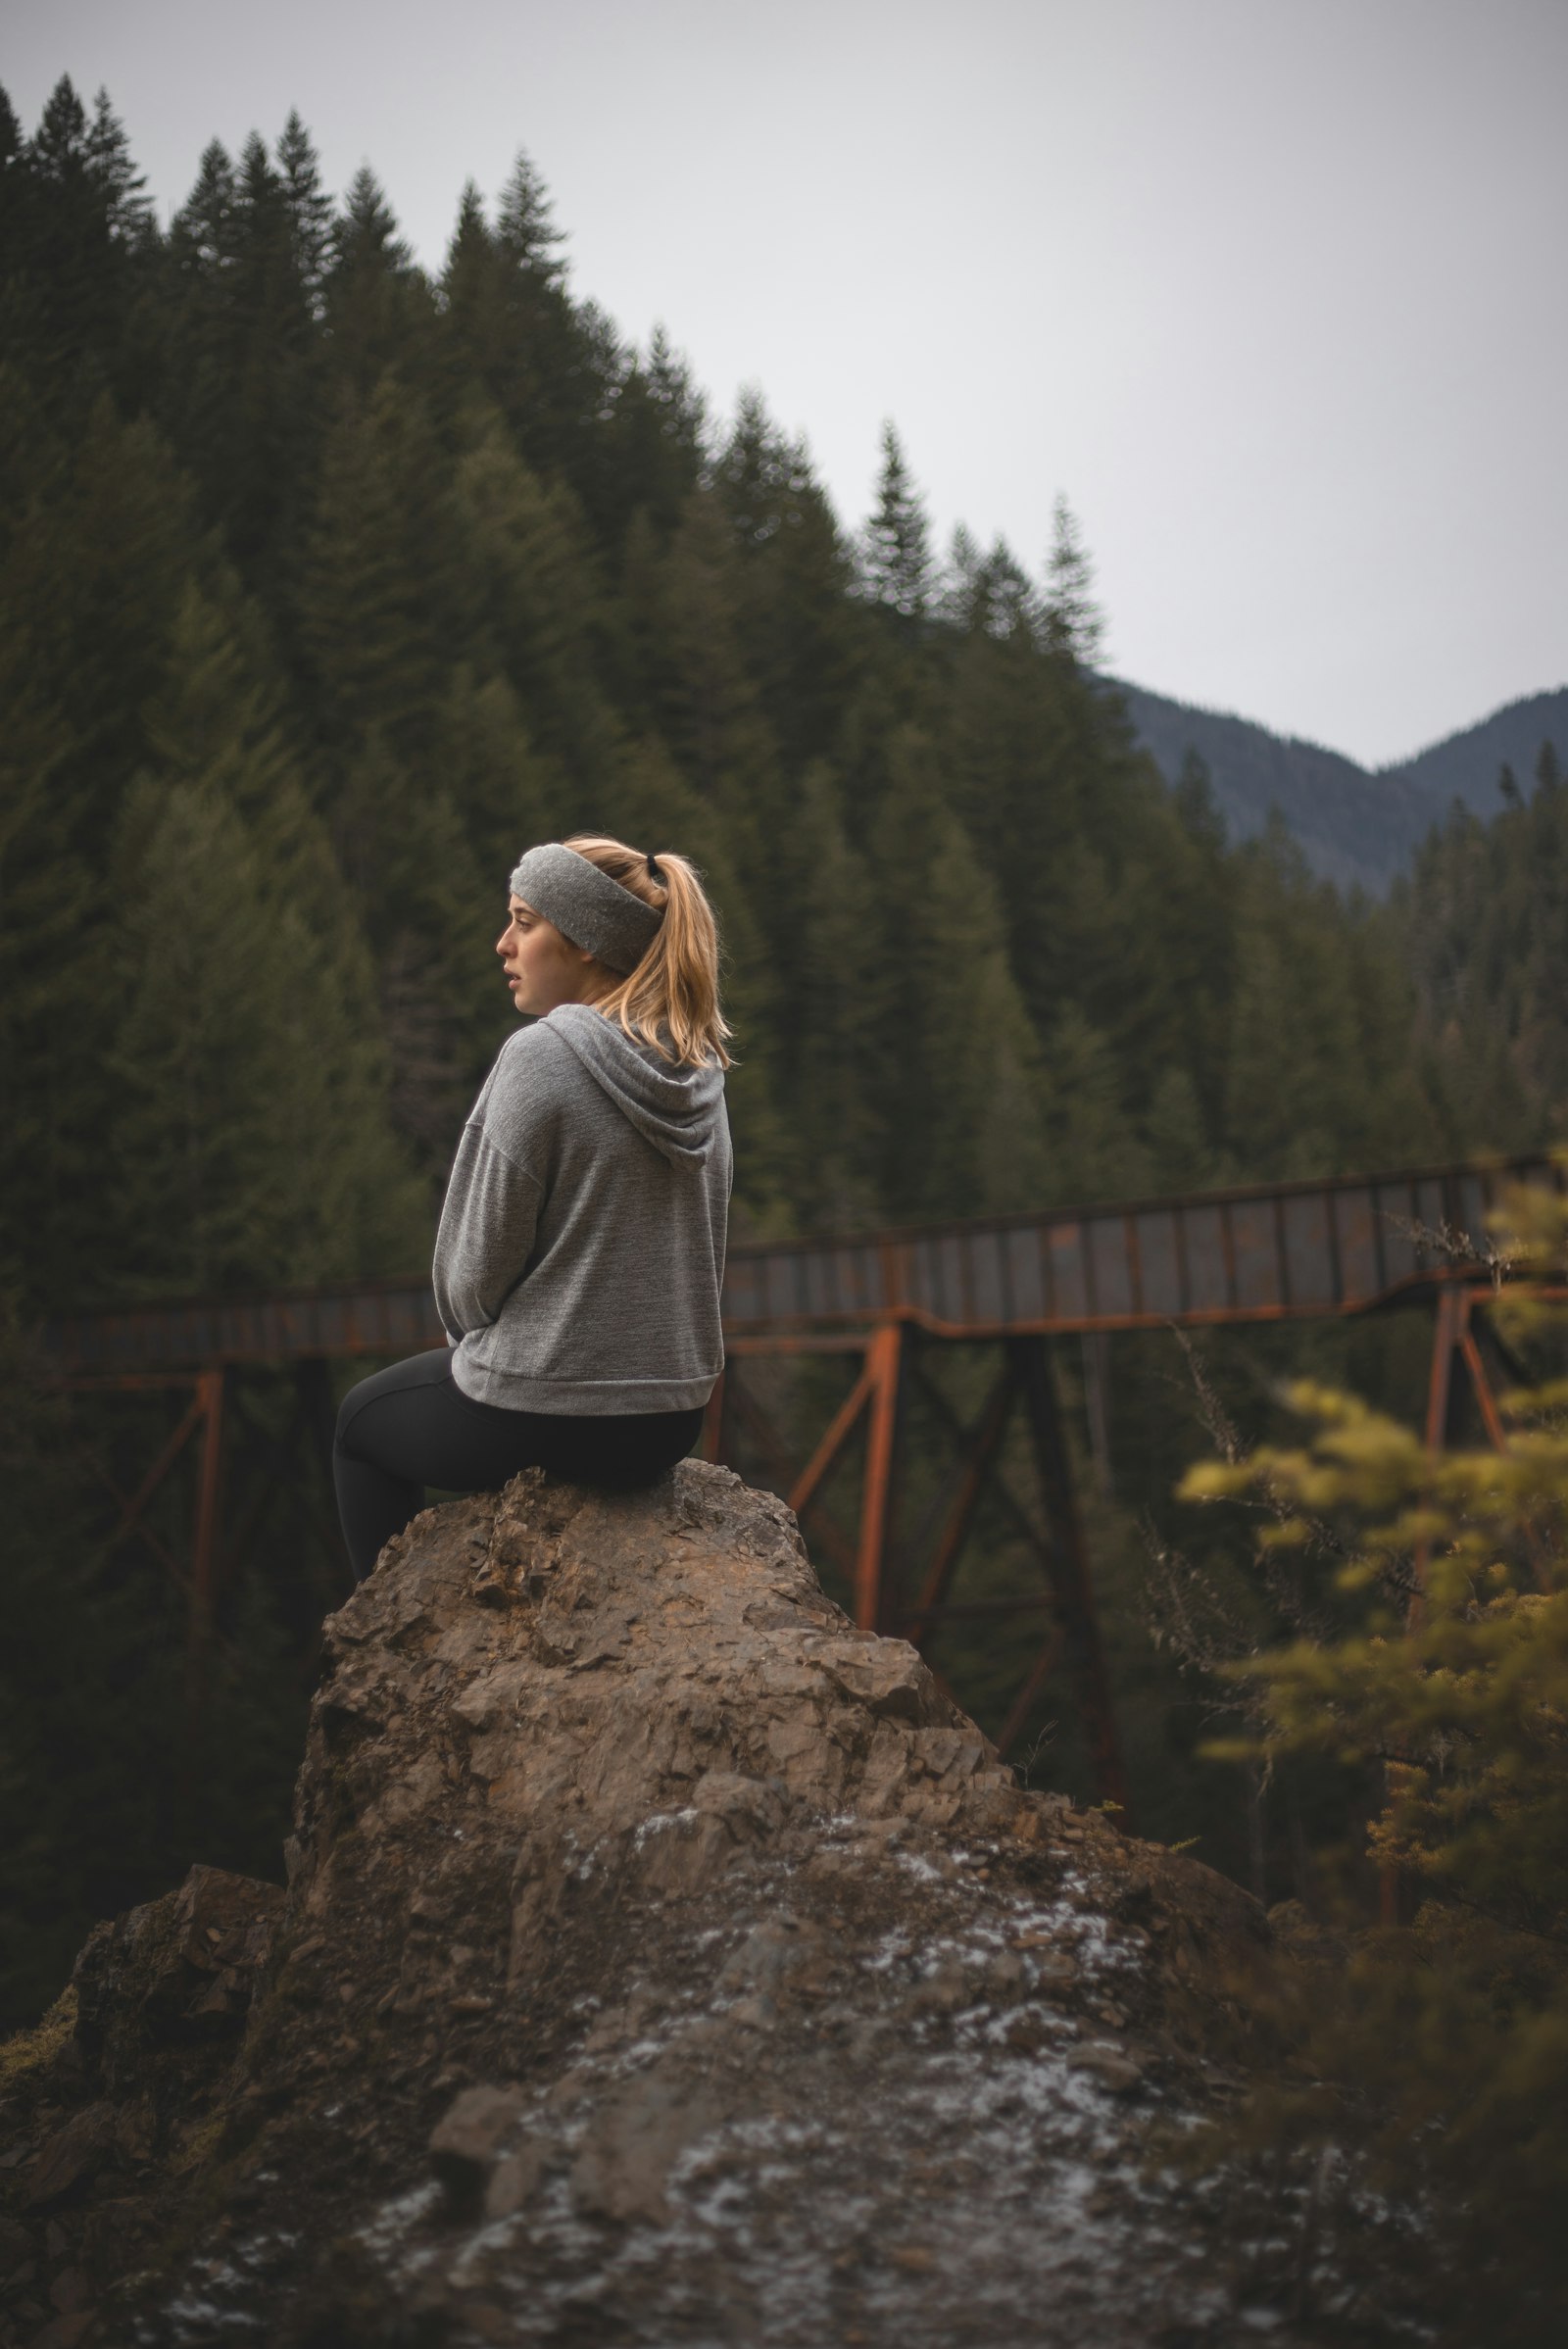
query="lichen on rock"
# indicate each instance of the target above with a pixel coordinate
(662, 1960)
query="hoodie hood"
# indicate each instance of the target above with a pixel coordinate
(677, 1110)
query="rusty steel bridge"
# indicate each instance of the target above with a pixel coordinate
(1261, 1253)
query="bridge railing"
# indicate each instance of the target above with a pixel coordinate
(1264, 1253)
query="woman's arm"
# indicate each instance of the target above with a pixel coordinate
(486, 1234)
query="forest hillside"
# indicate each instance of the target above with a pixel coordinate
(326, 585)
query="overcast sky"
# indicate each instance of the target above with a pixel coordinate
(1272, 289)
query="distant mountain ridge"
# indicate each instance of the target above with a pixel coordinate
(1358, 826)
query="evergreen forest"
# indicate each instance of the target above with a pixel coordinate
(328, 584)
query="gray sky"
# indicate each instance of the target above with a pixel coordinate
(1272, 289)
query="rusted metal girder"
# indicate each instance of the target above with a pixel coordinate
(901, 1587)
(200, 1424)
(1461, 1333)
(1268, 1253)
(978, 1453)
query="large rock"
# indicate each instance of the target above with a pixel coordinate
(664, 1961)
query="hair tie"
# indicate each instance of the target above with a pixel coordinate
(654, 873)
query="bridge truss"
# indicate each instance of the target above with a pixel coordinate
(891, 1304)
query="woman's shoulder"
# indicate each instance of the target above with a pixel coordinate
(541, 1042)
(535, 1064)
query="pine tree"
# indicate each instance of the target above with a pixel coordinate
(470, 281)
(1095, 1152)
(795, 575)
(91, 574)
(1296, 1103)
(1175, 1134)
(202, 233)
(654, 454)
(309, 211)
(679, 405)
(78, 230)
(987, 1149)
(127, 208)
(506, 792)
(58, 152)
(1478, 926)
(896, 554)
(1074, 625)
(990, 594)
(400, 841)
(1197, 809)
(551, 369)
(379, 308)
(204, 330)
(525, 228)
(386, 605)
(536, 598)
(959, 576)
(829, 986)
(11, 152)
(683, 605)
(1187, 896)
(242, 395)
(365, 232)
(951, 1061)
(16, 226)
(249, 1116)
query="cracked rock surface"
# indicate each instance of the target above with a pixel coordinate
(664, 1961)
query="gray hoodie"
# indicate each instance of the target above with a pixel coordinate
(581, 1248)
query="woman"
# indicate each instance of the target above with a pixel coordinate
(581, 1247)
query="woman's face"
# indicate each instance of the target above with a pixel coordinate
(543, 968)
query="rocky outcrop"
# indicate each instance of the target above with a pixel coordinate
(663, 1961)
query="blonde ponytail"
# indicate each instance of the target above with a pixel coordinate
(670, 1000)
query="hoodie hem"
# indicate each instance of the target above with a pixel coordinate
(578, 1398)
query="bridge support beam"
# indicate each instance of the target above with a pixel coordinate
(211, 1395)
(884, 1372)
(1078, 1617)
(1461, 1340)
(902, 1586)
(218, 1478)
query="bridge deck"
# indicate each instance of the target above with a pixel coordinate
(1262, 1253)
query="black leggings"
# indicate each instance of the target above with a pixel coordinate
(412, 1426)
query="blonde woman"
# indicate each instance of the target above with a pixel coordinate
(581, 1246)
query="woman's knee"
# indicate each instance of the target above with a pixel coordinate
(358, 1401)
(348, 1411)
(398, 1379)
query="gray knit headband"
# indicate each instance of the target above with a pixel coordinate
(586, 905)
